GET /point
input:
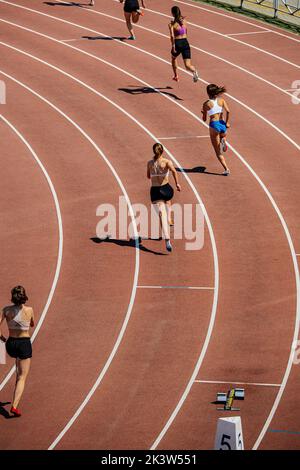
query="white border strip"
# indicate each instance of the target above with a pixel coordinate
(176, 287)
(244, 34)
(232, 382)
(60, 241)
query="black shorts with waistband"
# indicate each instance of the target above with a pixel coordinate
(131, 5)
(19, 348)
(161, 193)
(182, 47)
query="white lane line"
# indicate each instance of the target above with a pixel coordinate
(86, 28)
(60, 241)
(135, 280)
(236, 383)
(72, 40)
(237, 18)
(213, 243)
(217, 33)
(244, 34)
(176, 287)
(297, 321)
(282, 220)
(185, 137)
(158, 58)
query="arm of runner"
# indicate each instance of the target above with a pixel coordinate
(172, 37)
(171, 167)
(148, 170)
(143, 4)
(1, 321)
(227, 113)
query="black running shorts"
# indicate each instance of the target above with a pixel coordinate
(19, 348)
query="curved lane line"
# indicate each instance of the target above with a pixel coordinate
(214, 249)
(258, 77)
(296, 276)
(135, 282)
(60, 242)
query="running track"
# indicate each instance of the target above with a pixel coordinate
(117, 364)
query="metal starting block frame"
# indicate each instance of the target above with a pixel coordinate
(227, 398)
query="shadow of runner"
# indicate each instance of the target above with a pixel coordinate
(129, 243)
(3, 411)
(197, 169)
(106, 38)
(146, 90)
(69, 4)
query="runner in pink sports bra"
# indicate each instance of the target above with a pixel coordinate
(180, 44)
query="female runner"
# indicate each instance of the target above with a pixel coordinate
(161, 191)
(132, 12)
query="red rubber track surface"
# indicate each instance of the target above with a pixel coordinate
(256, 299)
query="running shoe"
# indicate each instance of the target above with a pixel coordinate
(226, 173)
(195, 76)
(140, 12)
(15, 412)
(168, 246)
(176, 79)
(223, 143)
(92, 3)
(131, 38)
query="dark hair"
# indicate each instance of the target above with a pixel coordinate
(18, 295)
(215, 90)
(177, 15)
(158, 150)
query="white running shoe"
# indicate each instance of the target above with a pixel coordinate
(195, 76)
(132, 38)
(168, 246)
(226, 173)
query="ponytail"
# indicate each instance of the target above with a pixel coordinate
(178, 18)
(215, 90)
(158, 150)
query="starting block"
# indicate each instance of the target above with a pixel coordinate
(228, 398)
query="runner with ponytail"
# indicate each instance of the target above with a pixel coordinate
(214, 108)
(180, 44)
(161, 191)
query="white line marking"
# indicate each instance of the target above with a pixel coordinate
(152, 55)
(135, 281)
(214, 248)
(185, 137)
(72, 40)
(176, 287)
(214, 32)
(236, 383)
(237, 18)
(60, 241)
(201, 357)
(250, 32)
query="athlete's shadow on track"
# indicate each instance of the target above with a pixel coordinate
(105, 38)
(3, 411)
(70, 4)
(197, 169)
(130, 243)
(146, 90)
